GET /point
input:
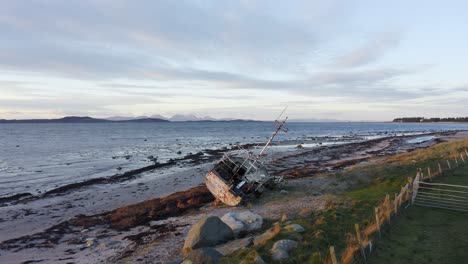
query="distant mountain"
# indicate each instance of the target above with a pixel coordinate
(80, 119)
(181, 118)
(317, 120)
(185, 118)
(159, 117)
(122, 118)
(144, 120)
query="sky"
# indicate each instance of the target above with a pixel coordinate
(345, 60)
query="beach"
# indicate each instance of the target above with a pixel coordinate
(45, 228)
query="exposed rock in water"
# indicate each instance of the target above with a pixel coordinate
(207, 232)
(280, 250)
(243, 222)
(14, 197)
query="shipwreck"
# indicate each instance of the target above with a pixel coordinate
(235, 178)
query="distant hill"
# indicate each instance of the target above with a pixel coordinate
(121, 119)
(81, 119)
(128, 118)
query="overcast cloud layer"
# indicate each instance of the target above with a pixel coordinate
(350, 60)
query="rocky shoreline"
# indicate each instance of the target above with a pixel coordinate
(76, 227)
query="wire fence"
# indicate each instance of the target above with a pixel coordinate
(420, 191)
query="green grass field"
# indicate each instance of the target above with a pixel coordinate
(427, 235)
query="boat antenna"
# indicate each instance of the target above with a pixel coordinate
(279, 127)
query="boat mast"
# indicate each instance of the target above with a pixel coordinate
(278, 129)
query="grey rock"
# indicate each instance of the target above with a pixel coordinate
(294, 228)
(280, 250)
(204, 256)
(207, 232)
(233, 246)
(243, 222)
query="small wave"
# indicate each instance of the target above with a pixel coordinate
(420, 139)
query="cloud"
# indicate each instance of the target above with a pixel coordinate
(91, 55)
(370, 51)
(74, 102)
(107, 39)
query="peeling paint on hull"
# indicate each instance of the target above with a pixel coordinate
(221, 190)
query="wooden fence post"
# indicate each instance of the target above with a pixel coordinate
(449, 166)
(401, 197)
(377, 220)
(429, 173)
(358, 236)
(408, 191)
(388, 207)
(466, 152)
(395, 203)
(456, 161)
(461, 156)
(332, 255)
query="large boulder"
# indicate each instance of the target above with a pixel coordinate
(207, 232)
(280, 250)
(243, 222)
(204, 256)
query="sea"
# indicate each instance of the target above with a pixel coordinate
(38, 157)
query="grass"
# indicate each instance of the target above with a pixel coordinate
(426, 235)
(365, 188)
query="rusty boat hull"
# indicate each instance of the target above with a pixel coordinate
(221, 190)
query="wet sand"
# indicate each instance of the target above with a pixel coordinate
(42, 229)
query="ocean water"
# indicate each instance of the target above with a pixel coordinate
(39, 157)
